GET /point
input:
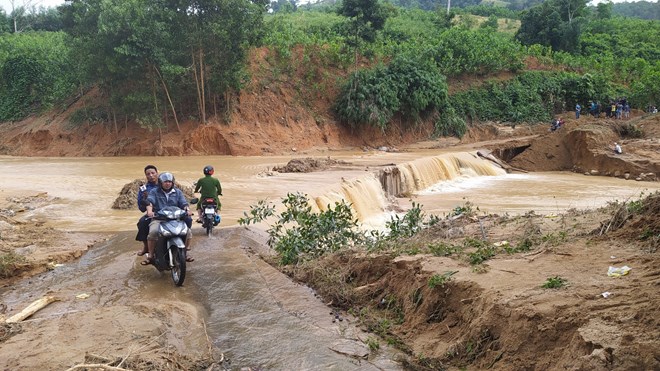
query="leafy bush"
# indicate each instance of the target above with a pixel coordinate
(36, 73)
(440, 280)
(367, 98)
(410, 224)
(301, 234)
(10, 262)
(406, 85)
(460, 50)
(444, 249)
(530, 97)
(555, 282)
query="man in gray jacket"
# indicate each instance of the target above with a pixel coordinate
(165, 195)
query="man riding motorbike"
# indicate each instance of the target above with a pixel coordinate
(165, 195)
(210, 188)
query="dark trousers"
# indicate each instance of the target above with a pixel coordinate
(143, 228)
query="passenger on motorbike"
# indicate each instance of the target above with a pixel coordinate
(151, 173)
(165, 195)
(210, 188)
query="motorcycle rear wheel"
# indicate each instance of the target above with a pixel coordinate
(179, 269)
(209, 227)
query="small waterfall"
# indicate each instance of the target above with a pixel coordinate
(368, 195)
(409, 177)
(365, 194)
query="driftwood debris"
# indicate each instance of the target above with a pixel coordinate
(31, 309)
(488, 155)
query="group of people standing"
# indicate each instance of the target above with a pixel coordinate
(160, 191)
(617, 109)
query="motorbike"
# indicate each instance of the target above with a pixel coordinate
(170, 253)
(210, 216)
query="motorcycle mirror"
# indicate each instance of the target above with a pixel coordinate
(194, 200)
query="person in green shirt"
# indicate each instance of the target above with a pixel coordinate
(209, 187)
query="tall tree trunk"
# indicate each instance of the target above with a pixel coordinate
(202, 79)
(198, 85)
(215, 106)
(114, 121)
(169, 99)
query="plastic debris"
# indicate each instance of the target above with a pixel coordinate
(82, 296)
(501, 243)
(606, 294)
(618, 272)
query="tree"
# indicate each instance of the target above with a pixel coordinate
(283, 6)
(154, 56)
(20, 10)
(5, 21)
(44, 19)
(35, 71)
(554, 23)
(367, 17)
(218, 34)
(604, 10)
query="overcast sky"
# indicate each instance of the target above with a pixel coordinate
(6, 4)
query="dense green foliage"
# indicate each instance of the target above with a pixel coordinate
(300, 234)
(555, 23)
(530, 97)
(407, 86)
(481, 51)
(638, 9)
(156, 62)
(36, 73)
(159, 59)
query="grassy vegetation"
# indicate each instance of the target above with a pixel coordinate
(555, 282)
(10, 263)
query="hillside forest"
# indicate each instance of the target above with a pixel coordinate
(160, 62)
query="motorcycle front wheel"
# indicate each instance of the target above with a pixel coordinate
(179, 269)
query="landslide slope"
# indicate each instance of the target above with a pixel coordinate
(586, 146)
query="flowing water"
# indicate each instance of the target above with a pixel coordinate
(255, 314)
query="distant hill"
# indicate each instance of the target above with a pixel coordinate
(638, 9)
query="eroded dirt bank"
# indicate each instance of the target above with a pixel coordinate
(432, 297)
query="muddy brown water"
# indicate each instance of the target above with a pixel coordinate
(255, 315)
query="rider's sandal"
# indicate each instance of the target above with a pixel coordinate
(143, 252)
(190, 259)
(147, 261)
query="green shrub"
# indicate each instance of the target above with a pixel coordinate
(555, 282)
(36, 73)
(300, 234)
(440, 280)
(409, 86)
(9, 263)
